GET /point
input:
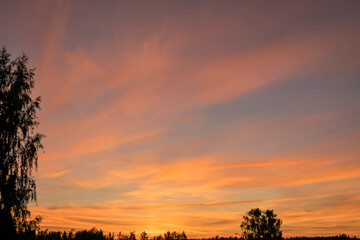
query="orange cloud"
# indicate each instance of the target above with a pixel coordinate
(55, 174)
(132, 98)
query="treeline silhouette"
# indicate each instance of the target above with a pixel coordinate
(94, 234)
(336, 237)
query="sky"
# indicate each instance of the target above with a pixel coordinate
(184, 115)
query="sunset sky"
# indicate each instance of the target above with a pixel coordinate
(184, 115)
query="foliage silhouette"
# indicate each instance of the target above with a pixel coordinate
(259, 224)
(94, 234)
(144, 236)
(19, 144)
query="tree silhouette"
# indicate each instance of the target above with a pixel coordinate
(259, 224)
(144, 236)
(19, 143)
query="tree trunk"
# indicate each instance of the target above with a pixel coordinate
(7, 226)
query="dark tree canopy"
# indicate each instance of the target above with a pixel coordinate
(19, 142)
(258, 224)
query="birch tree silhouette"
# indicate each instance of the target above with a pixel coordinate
(19, 143)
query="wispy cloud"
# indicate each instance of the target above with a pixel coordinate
(181, 116)
(55, 174)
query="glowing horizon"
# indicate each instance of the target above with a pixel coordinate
(183, 116)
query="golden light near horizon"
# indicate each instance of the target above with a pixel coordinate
(184, 115)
